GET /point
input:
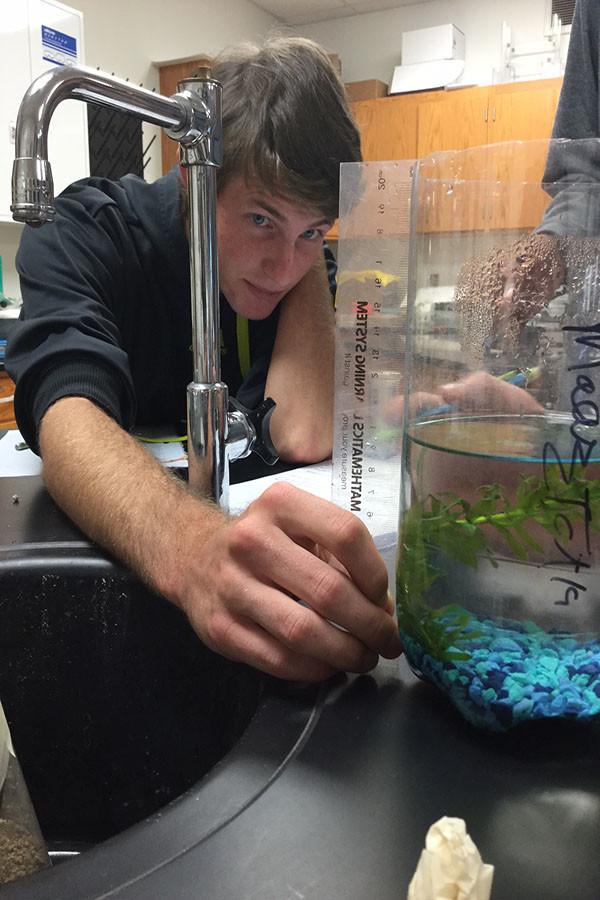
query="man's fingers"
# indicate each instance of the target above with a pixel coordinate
(242, 640)
(386, 601)
(322, 587)
(335, 529)
(389, 604)
(305, 632)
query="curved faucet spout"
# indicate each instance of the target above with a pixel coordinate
(33, 192)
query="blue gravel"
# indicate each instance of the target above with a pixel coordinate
(515, 672)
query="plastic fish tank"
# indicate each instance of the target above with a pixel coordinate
(498, 565)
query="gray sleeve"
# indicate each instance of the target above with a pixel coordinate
(577, 113)
(572, 174)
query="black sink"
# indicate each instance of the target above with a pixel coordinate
(114, 704)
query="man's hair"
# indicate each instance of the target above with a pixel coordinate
(286, 121)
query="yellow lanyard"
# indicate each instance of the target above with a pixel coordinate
(243, 344)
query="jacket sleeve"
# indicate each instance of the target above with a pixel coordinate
(572, 174)
(67, 341)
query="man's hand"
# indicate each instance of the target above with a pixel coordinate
(268, 588)
(294, 587)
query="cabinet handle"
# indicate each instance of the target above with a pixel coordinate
(485, 114)
(494, 114)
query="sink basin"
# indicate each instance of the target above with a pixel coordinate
(114, 704)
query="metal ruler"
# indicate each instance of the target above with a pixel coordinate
(373, 272)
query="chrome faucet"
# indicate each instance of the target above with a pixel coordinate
(192, 117)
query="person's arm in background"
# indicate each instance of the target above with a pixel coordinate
(238, 579)
(575, 211)
(577, 115)
(545, 262)
(300, 376)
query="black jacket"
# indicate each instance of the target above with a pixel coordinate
(106, 310)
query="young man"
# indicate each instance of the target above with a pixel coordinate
(103, 346)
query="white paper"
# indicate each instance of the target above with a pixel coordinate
(315, 479)
(6, 748)
(169, 453)
(17, 462)
(25, 462)
(450, 867)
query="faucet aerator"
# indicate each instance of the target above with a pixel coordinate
(33, 191)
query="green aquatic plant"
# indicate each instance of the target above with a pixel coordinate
(448, 525)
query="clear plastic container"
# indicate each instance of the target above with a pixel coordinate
(22, 847)
(498, 578)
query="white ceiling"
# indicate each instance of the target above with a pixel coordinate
(304, 12)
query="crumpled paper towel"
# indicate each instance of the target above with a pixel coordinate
(450, 867)
(6, 748)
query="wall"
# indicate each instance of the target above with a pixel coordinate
(369, 44)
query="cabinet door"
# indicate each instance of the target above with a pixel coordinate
(388, 127)
(169, 75)
(523, 112)
(452, 120)
(397, 127)
(365, 113)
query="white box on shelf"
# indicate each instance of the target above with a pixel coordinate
(426, 76)
(426, 44)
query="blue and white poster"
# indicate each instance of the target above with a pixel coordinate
(58, 48)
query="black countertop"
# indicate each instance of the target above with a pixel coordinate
(341, 811)
(331, 790)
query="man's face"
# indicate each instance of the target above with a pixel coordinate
(266, 245)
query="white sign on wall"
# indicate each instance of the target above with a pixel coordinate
(36, 35)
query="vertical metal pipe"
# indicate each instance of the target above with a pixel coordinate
(207, 395)
(204, 274)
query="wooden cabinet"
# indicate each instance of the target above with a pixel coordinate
(408, 126)
(452, 120)
(388, 127)
(7, 412)
(388, 130)
(366, 113)
(415, 126)
(469, 117)
(522, 111)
